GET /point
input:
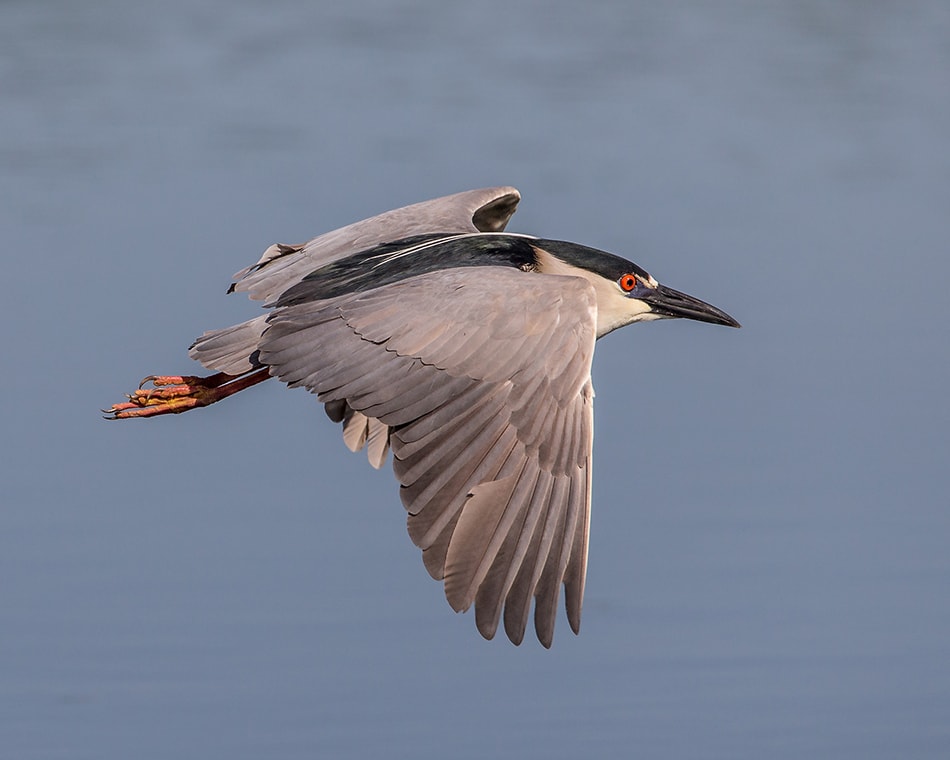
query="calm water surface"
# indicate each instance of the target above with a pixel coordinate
(769, 569)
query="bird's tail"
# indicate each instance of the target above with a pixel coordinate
(232, 350)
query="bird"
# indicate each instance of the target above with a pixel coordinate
(431, 332)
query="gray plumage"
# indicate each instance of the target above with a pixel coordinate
(466, 351)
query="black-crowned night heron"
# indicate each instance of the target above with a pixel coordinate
(467, 351)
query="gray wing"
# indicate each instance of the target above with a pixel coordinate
(231, 349)
(482, 376)
(282, 266)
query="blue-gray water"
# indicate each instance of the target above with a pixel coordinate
(770, 556)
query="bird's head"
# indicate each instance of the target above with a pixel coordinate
(626, 293)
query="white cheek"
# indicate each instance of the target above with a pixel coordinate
(614, 312)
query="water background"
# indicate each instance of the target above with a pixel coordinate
(770, 556)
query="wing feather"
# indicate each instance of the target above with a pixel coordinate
(483, 528)
(360, 430)
(377, 443)
(355, 426)
(479, 380)
(526, 582)
(496, 591)
(440, 464)
(282, 266)
(418, 400)
(545, 604)
(576, 572)
(421, 431)
(447, 492)
(439, 525)
(501, 563)
(454, 438)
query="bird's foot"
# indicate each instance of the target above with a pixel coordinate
(174, 394)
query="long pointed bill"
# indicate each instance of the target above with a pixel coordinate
(667, 302)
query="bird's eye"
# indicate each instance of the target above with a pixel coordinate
(627, 282)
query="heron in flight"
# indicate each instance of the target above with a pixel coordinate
(466, 351)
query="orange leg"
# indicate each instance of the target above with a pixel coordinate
(173, 394)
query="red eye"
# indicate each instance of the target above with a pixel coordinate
(627, 282)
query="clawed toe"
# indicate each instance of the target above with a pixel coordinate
(173, 394)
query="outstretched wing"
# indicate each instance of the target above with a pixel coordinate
(282, 266)
(483, 377)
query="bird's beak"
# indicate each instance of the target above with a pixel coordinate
(670, 303)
